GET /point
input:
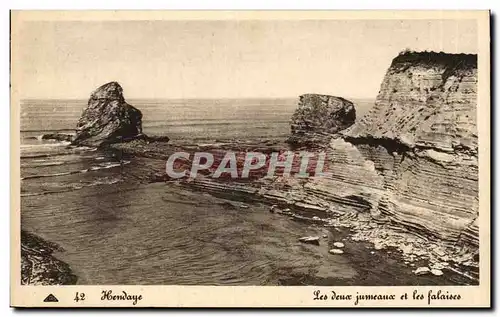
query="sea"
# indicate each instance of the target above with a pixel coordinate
(114, 231)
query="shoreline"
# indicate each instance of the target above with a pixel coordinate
(414, 251)
(38, 264)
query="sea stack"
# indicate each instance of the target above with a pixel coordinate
(108, 118)
(318, 117)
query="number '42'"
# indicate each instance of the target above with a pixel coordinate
(79, 296)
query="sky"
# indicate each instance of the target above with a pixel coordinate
(225, 59)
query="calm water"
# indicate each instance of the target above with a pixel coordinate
(116, 231)
(179, 119)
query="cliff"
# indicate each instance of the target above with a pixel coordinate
(413, 159)
(422, 138)
(426, 100)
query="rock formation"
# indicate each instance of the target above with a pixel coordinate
(413, 159)
(108, 118)
(318, 117)
(58, 137)
(39, 266)
(422, 139)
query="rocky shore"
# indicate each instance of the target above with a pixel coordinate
(39, 266)
(416, 250)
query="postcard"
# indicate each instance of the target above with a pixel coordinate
(250, 159)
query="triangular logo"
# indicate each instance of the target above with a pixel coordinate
(50, 299)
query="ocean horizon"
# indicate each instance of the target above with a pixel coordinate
(187, 117)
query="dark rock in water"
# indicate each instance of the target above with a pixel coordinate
(310, 240)
(39, 266)
(157, 138)
(159, 177)
(108, 118)
(58, 137)
(318, 117)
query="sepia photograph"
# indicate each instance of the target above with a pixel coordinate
(250, 150)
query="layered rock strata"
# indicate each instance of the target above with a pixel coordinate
(413, 160)
(421, 137)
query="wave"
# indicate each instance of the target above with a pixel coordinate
(34, 137)
(72, 187)
(48, 130)
(45, 193)
(106, 165)
(44, 145)
(43, 163)
(54, 174)
(54, 136)
(76, 150)
(217, 122)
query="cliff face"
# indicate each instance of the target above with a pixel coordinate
(426, 100)
(413, 158)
